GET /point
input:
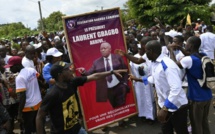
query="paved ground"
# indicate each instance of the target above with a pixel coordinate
(136, 126)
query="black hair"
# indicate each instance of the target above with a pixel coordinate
(55, 75)
(16, 68)
(180, 38)
(210, 28)
(49, 58)
(146, 39)
(187, 35)
(195, 42)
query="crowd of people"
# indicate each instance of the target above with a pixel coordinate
(36, 79)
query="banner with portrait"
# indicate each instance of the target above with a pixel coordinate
(90, 37)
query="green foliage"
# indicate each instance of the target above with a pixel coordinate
(13, 30)
(168, 11)
(53, 22)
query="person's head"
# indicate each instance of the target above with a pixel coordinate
(187, 35)
(154, 35)
(153, 50)
(105, 49)
(193, 24)
(14, 52)
(144, 41)
(199, 20)
(30, 52)
(178, 40)
(45, 45)
(132, 38)
(2, 64)
(168, 28)
(15, 64)
(62, 71)
(193, 44)
(210, 28)
(3, 51)
(134, 48)
(175, 26)
(188, 28)
(24, 44)
(53, 55)
(21, 53)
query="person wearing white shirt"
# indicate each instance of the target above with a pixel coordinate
(27, 60)
(144, 93)
(172, 100)
(30, 96)
(200, 97)
(208, 42)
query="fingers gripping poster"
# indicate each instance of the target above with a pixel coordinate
(91, 41)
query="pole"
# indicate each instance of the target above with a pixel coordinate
(41, 16)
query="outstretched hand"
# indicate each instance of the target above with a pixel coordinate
(120, 52)
(131, 77)
(118, 72)
(81, 70)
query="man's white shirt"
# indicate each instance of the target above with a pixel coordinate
(167, 81)
(208, 44)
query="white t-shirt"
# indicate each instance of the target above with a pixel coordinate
(208, 44)
(27, 63)
(27, 81)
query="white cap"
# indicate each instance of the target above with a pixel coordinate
(56, 38)
(172, 33)
(37, 45)
(53, 52)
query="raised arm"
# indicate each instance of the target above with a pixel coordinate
(130, 57)
(97, 76)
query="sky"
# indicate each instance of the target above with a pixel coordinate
(27, 11)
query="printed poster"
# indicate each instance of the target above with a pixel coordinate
(91, 41)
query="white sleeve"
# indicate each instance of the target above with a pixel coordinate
(144, 57)
(151, 80)
(20, 84)
(174, 81)
(186, 62)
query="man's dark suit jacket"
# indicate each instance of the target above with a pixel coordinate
(101, 84)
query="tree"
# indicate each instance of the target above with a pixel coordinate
(13, 30)
(169, 11)
(53, 22)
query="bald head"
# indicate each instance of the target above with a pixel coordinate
(105, 49)
(30, 52)
(154, 46)
(153, 50)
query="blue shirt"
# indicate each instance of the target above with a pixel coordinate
(46, 73)
(194, 71)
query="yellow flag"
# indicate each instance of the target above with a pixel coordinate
(188, 19)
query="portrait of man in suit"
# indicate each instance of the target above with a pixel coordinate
(112, 88)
